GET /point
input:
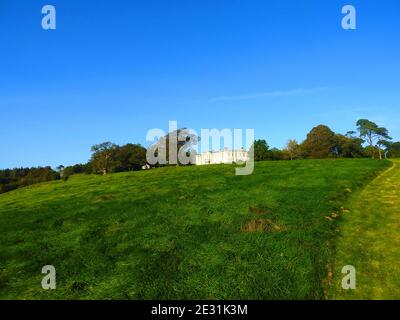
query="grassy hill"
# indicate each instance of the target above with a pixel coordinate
(370, 240)
(174, 233)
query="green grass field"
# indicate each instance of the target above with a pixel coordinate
(370, 240)
(175, 233)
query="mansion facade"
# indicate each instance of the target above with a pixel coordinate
(224, 156)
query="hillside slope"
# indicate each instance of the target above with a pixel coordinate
(174, 233)
(370, 240)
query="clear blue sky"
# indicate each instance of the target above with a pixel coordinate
(115, 69)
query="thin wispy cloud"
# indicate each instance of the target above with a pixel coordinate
(271, 94)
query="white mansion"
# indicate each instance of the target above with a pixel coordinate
(223, 156)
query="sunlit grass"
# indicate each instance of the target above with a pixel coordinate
(370, 240)
(176, 233)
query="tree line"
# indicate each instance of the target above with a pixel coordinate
(11, 179)
(106, 158)
(369, 140)
(321, 142)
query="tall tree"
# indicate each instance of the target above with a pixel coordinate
(372, 133)
(261, 150)
(102, 157)
(293, 149)
(320, 143)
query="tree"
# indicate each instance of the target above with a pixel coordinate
(349, 146)
(181, 141)
(276, 154)
(320, 143)
(350, 134)
(102, 157)
(372, 133)
(293, 149)
(11, 179)
(383, 144)
(63, 174)
(261, 150)
(77, 169)
(130, 157)
(394, 150)
(371, 152)
(60, 170)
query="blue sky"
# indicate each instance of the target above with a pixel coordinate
(112, 70)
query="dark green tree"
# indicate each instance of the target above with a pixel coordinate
(320, 143)
(130, 157)
(349, 146)
(394, 150)
(261, 150)
(11, 179)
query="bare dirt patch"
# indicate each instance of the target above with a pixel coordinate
(260, 225)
